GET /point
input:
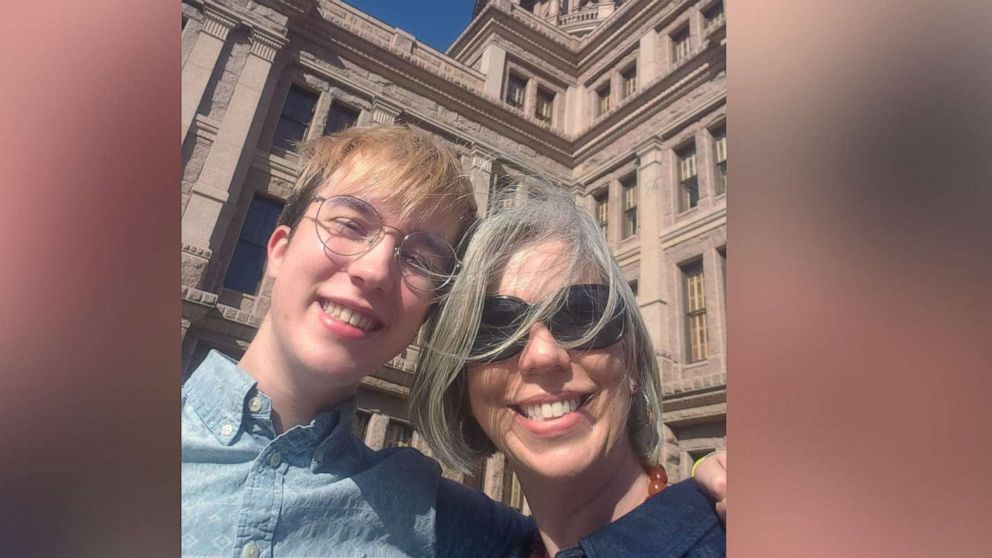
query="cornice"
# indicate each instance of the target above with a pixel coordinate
(457, 96)
(506, 11)
(681, 232)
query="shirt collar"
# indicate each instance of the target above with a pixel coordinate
(217, 392)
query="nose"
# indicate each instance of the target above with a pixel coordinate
(542, 352)
(377, 268)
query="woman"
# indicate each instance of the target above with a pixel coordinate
(539, 351)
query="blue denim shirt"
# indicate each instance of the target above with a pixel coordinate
(315, 490)
(680, 522)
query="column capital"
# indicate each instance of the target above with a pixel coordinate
(648, 151)
(383, 112)
(482, 159)
(266, 44)
(217, 22)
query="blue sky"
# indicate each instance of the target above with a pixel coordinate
(434, 22)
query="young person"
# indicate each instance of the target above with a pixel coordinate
(269, 464)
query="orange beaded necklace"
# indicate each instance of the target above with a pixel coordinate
(657, 481)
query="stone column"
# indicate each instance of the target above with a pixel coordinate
(492, 483)
(576, 115)
(481, 176)
(202, 59)
(649, 61)
(375, 434)
(704, 168)
(494, 67)
(218, 189)
(614, 211)
(695, 28)
(383, 112)
(320, 111)
(651, 294)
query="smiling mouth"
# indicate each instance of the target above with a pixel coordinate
(549, 411)
(351, 317)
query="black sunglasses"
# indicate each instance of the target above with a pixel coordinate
(583, 307)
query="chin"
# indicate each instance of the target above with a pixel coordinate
(553, 464)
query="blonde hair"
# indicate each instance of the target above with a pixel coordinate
(439, 395)
(396, 164)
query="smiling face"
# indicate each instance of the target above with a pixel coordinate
(555, 413)
(338, 318)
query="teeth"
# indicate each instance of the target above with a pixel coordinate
(549, 411)
(349, 316)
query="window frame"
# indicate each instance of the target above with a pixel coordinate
(681, 48)
(628, 81)
(545, 94)
(284, 143)
(719, 135)
(235, 262)
(512, 79)
(687, 183)
(628, 187)
(693, 279)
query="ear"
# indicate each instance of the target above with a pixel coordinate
(277, 247)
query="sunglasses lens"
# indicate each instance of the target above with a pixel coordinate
(583, 308)
(500, 319)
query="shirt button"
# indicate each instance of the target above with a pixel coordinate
(255, 404)
(275, 459)
(249, 550)
(227, 429)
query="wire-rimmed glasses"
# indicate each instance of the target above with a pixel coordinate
(349, 226)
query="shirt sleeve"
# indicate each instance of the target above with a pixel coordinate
(469, 523)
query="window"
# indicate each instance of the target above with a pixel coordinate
(603, 99)
(294, 122)
(603, 211)
(513, 495)
(502, 191)
(629, 80)
(720, 156)
(515, 88)
(713, 14)
(545, 104)
(398, 434)
(339, 118)
(248, 261)
(688, 181)
(629, 186)
(680, 45)
(361, 424)
(695, 311)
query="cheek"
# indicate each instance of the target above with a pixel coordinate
(486, 389)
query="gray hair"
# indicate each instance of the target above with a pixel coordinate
(439, 405)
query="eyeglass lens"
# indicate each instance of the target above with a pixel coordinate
(349, 226)
(582, 309)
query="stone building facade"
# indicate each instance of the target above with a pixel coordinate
(623, 101)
